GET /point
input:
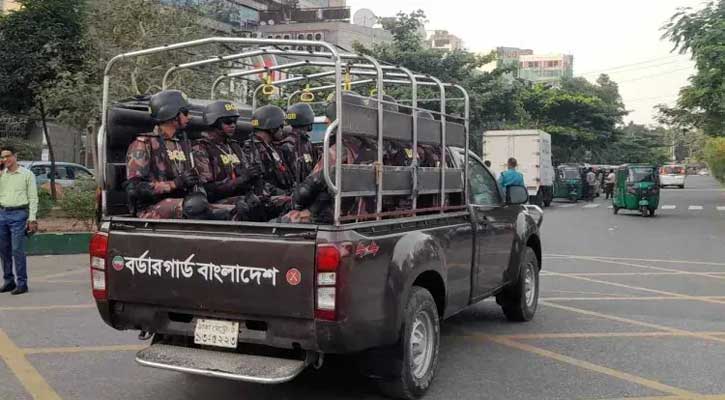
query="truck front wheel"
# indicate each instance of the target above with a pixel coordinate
(415, 357)
(519, 301)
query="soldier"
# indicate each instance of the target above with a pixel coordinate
(311, 200)
(219, 157)
(158, 166)
(276, 183)
(296, 148)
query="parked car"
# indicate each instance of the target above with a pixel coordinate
(704, 172)
(65, 173)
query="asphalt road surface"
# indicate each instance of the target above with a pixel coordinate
(631, 307)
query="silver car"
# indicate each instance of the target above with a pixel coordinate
(65, 173)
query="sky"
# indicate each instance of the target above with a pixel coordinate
(618, 37)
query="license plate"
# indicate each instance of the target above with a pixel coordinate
(211, 332)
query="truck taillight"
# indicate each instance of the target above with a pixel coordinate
(328, 257)
(98, 250)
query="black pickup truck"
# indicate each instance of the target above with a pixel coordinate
(260, 302)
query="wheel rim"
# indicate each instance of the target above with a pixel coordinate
(529, 286)
(421, 344)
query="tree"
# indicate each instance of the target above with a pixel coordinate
(40, 41)
(405, 28)
(701, 33)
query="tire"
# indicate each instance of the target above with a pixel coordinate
(547, 203)
(682, 186)
(411, 378)
(519, 301)
(643, 211)
(615, 210)
(539, 198)
(652, 212)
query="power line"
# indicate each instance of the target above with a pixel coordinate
(629, 65)
(654, 75)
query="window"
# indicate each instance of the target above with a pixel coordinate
(81, 173)
(318, 36)
(484, 188)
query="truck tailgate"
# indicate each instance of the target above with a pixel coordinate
(251, 274)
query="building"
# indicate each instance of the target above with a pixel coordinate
(340, 33)
(508, 56)
(549, 68)
(441, 39)
(8, 5)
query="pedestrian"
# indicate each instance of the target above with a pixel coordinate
(18, 208)
(591, 182)
(609, 188)
(158, 166)
(511, 177)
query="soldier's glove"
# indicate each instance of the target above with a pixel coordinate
(187, 180)
(306, 192)
(249, 173)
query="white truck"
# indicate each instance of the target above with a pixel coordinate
(532, 150)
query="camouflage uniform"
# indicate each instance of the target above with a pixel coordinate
(298, 153)
(276, 183)
(152, 165)
(316, 205)
(219, 162)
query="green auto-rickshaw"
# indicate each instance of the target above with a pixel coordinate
(636, 188)
(568, 183)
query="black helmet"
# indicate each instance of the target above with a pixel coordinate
(300, 114)
(195, 206)
(166, 105)
(219, 109)
(267, 118)
(348, 97)
(389, 103)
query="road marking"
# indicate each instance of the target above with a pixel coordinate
(566, 205)
(591, 206)
(668, 207)
(62, 274)
(632, 298)
(662, 292)
(635, 259)
(628, 273)
(28, 376)
(591, 367)
(87, 349)
(47, 308)
(610, 207)
(596, 335)
(634, 322)
(705, 274)
(694, 208)
(720, 208)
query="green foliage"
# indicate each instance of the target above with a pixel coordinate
(79, 201)
(45, 203)
(405, 28)
(40, 41)
(714, 154)
(701, 33)
(25, 149)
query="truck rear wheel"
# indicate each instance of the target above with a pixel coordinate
(519, 301)
(415, 357)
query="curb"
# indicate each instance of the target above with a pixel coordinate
(42, 244)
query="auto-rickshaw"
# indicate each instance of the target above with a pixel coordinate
(568, 183)
(636, 188)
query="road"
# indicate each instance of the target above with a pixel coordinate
(631, 307)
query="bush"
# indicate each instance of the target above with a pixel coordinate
(714, 153)
(25, 149)
(79, 201)
(45, 203)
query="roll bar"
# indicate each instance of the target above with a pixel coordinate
(367, 70)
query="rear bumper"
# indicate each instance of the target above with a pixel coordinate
(337, 337)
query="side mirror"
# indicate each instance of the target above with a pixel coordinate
(516, 195)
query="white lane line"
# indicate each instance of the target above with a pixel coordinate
(591, 206)
(721, 208)
(695, 208)
(610, 207)
(668, 207)
(566, 205)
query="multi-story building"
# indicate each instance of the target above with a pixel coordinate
(441, 39)
(8, 5)
(507, 56)
(549, 68)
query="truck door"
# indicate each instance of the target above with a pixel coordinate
(494, 229)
